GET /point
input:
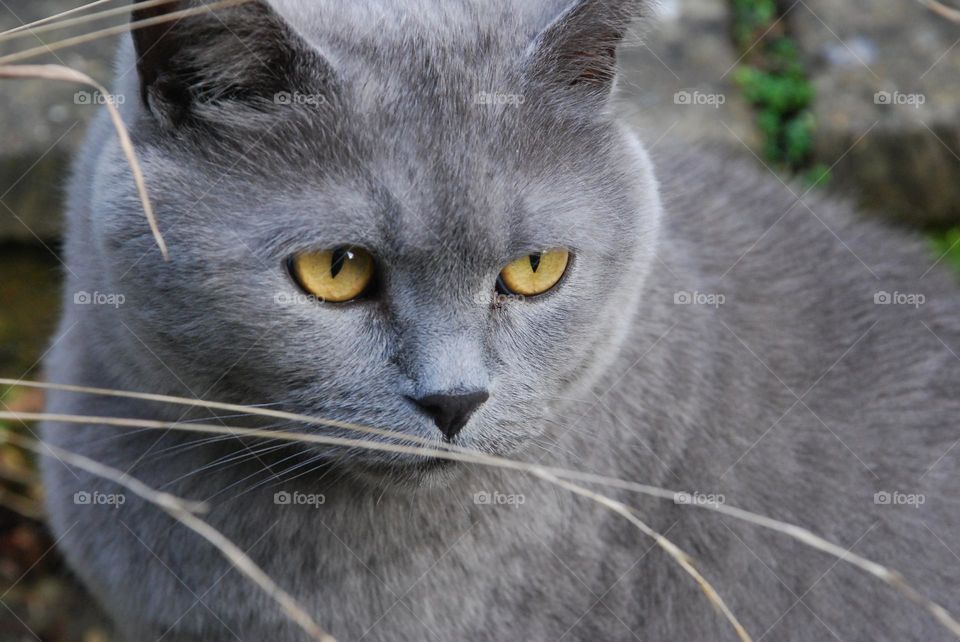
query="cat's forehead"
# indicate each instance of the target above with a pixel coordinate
(390, 24)
(441, 142)
(414, 125)
(388, 51)
(429, 212)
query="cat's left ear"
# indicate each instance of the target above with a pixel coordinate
(578, 49)
(192, 68)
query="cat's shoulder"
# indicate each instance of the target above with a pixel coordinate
(742, 215)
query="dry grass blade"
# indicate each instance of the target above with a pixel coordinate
(230, 407)
(43, 21)
(942, 10)
(164, 500)
(66, 74)
(682, 558)
(52, 24)
(220, 429)
(113, 31)
(21, 505)
(802, 535)
(184, 512)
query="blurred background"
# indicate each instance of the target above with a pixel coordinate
(856, 97)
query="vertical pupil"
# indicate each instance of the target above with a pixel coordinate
(535, 261)
(340, 257)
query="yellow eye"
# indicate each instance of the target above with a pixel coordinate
(336, 275)
(536, 273)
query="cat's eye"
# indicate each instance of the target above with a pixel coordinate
(535, 273)
(337, 275)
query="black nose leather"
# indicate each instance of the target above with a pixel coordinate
(451, 412)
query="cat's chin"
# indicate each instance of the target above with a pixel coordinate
(421, 474)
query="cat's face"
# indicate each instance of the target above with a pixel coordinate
(426, 192)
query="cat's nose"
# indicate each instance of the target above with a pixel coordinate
(452, 411)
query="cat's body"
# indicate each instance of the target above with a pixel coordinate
(699, 397)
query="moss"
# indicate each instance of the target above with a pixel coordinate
(946, 247)
(817, 176)
(752, 18)
(775, 82)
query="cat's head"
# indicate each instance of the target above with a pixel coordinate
(421, 216)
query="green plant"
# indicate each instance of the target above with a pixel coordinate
(774, 81)
(946, 246)
(751, 17)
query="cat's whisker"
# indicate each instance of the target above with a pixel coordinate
(280, 475)
(232, 459)
(803, 535)
(217, 417)
(549, 447)
(195, 443)
(183, 511)
(117, 435)
(181, 448)
(555, 443)
(283, 476)
(320, 464)
(538, 471)
(251, 409)
(265, 469)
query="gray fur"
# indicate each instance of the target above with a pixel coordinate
(605, 373)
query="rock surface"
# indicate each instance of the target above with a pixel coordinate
(902, 158)
(677, 81)
(887, 77)
(41, 121)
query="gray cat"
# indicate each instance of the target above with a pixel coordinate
(427, 216)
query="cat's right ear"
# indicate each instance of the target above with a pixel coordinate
(193, 66)
(576, 53)
(153, 51)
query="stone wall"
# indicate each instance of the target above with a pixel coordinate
(886, 72)
(42, 122)
(887, 76)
